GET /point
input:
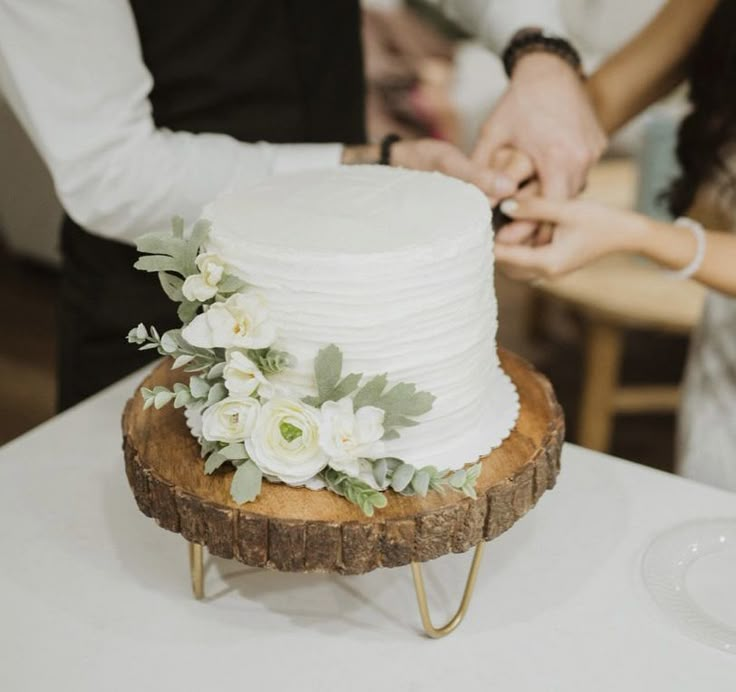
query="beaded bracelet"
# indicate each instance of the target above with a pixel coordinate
(533, 40)
(699, 233)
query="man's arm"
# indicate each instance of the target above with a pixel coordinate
(73, 74)
(649, 66)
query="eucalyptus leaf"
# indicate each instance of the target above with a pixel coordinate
(420, 482)
(186, 311)
(457, 479)
(246, 483)
(216, 371)
(162, 398)
(234, 451)
(380, 471)
(182, 360)
(198, 387)
(216, 393)
(214, 461)
(402, 476)
(230, 284)
(390, 435)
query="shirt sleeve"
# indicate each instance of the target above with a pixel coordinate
(495, 21)
(73, 73)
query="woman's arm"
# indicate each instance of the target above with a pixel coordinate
(650, 65)
(586, 231)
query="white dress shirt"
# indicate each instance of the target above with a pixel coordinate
(73, 73)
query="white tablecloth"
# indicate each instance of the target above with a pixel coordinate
(95, 597)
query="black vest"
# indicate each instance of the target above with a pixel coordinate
(273, 70)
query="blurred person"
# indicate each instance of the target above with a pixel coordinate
(647, 68)
(142, 109)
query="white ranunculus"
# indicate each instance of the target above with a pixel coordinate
(285, 442)
(242, 376)
(231, 420)
(203, 286)
(242, 321)
(347, 436)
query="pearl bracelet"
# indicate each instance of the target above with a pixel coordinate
(699, 233)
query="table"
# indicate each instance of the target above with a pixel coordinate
(95, 598)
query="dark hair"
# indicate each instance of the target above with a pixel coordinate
(710, 127)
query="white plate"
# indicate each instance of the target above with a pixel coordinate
(690, 572)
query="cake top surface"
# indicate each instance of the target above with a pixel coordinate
(350, 209)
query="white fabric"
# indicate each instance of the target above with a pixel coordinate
(496, 21)
(73, 73)
(396, 268)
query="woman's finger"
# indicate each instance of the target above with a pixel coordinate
(534, 209)
(513, 164)
(532, 261)
(516, 232)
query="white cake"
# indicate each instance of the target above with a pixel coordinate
(396, 268)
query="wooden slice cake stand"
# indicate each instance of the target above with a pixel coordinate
(301, 530)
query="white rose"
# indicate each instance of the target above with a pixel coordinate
(347, 436)
(242, 376)
(285, 442)
(241, 321)
(203, 286)
(231, 420)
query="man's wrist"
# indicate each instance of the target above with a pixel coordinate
(533, 41)
(360, 154)
(541, 64)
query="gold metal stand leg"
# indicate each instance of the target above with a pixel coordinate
(457, 618)
(196, 569)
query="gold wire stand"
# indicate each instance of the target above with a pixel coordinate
(196, 570)
(457, 618)
(197, 574)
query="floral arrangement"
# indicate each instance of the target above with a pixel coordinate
(244, 416)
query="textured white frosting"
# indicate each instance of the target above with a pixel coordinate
(396, 268)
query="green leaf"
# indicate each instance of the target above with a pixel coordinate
(177, 227)
(380, 472)
(347, 385)
(404, 399)
(216, 371)
(198, 387)
(216, 393)
(234, 451)
(157, 263)
(172, 286)
(162, 398)
(187, 310)
(420, 482)
(230, 284)
(390, 435)
(168, 341)
(246, 483)
(214, 461)
(457, 479)
(182, 398)
(370, 393)
(181, 361)
(402, 477)
(327, 369)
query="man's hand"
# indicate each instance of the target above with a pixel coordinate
(546, 113)
(436, 155)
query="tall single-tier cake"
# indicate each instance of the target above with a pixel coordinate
(395, 267)
(341, 325)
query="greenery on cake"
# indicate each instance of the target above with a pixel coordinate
(246, 416)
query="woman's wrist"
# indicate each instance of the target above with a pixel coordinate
(667, 244)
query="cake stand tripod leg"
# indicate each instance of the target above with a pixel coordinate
(197, 572)
(457, 618)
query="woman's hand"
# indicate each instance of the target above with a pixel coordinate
(583, 232)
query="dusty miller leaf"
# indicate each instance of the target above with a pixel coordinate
(327, 369)
(246, 483)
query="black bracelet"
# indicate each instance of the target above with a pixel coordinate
(386, 143)
(535, 40)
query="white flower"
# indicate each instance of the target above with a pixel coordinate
(285, 442)
(231, 420)
(242, 376)
(203, 286)
(193, 417)
(241, 321)
(347, 436)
